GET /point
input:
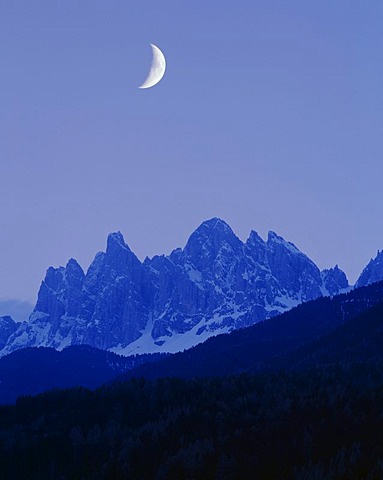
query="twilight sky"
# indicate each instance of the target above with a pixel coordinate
(269, 116)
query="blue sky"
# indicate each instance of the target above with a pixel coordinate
(269, 116)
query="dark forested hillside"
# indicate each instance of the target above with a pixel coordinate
(255, 347)
(309, 407)
(34, 370)
(358, 340)
(321, 424)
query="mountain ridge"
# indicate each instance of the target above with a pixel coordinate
(215, 284)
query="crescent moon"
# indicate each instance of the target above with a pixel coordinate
(157, 68)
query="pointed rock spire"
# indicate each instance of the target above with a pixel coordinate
(373, 271)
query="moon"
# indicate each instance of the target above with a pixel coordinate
(157, 68)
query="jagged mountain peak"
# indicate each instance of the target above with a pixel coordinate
(272, 236)
(275, 239)
(373, 271)
(73, 266)
(335, 271)
(214, 227)
(116, 241)
(334, 280)
(215, 284)
(209, 238)
(54, 276)
(214, 223)
(254, 239)
(118, 255)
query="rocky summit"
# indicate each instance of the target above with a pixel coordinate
(373, 271)
(215, 284)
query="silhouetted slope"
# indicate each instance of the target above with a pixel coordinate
(323, 424)
(34, 370)
(323, 421)
(244, 349)
(359, 340)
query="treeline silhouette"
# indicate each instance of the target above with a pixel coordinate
(29, 371)
(309, 406)
(321, 424)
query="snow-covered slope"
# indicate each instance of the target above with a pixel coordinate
(215, 284)
(7, 327)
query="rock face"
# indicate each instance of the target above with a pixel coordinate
(373, 272)
(214, 285)
(334, 280)
(7, 327)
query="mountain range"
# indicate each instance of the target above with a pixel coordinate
(340, 330)
(297, 378)
(215, 284)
